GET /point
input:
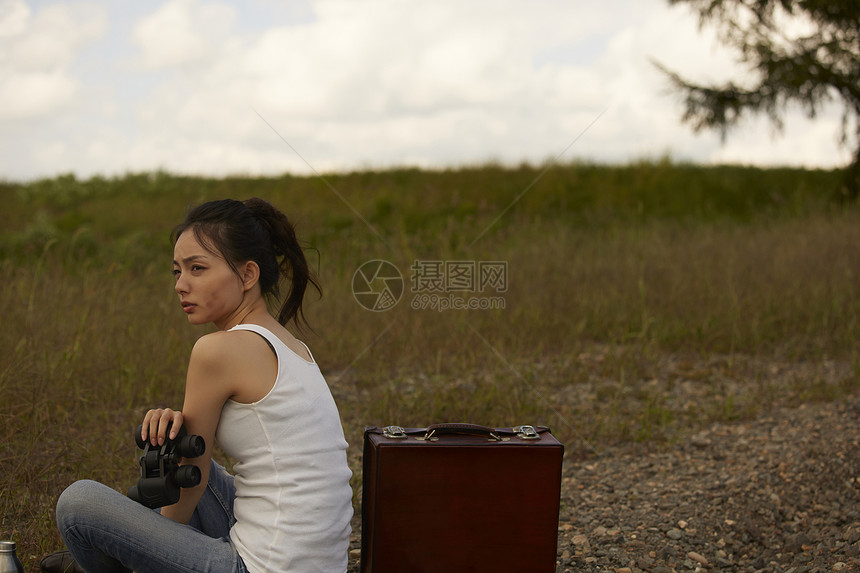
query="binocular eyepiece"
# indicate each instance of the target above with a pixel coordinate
(161, 476)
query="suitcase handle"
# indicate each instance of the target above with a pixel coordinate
(431, 433)
(461, 429)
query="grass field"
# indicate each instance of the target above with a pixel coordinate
(642, 302)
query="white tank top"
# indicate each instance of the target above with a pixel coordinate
(293, 499)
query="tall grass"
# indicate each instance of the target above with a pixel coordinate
(643, 301)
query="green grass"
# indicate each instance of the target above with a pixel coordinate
(644, 301)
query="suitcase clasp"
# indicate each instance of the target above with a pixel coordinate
(527, 433)
(394, 432)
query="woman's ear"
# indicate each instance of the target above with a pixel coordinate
(250, 275)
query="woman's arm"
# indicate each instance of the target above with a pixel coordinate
(211, 380)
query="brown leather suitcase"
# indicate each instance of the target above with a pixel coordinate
(460, 498)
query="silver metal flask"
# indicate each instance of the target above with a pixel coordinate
(9, 562)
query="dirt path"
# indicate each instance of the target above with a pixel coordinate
(781, 493)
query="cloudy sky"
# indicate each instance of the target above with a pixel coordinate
(270, 86)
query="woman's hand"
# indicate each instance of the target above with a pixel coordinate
(154, 427)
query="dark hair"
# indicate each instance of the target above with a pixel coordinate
(254, 230)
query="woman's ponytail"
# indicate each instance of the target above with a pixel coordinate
(291, 262)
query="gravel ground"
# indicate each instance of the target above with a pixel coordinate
(780, 493)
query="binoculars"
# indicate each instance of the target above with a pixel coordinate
(161, 476)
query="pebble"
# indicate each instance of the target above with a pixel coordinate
(697, 557)
(700, 441)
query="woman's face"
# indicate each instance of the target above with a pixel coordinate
(208, 288)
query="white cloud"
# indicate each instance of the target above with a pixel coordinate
(183, 32)
(356, 84)
(34, 94)
(393, 82)
(14, 15)
(36, 53)
(804, 142)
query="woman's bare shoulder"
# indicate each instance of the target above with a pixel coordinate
(228, 348)
(231, 342)
(239, 362)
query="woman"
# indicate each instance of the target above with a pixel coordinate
(253, 388)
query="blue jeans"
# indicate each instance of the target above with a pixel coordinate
(106, 531)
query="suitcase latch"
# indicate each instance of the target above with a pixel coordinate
(394, 432)
(527, 433)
